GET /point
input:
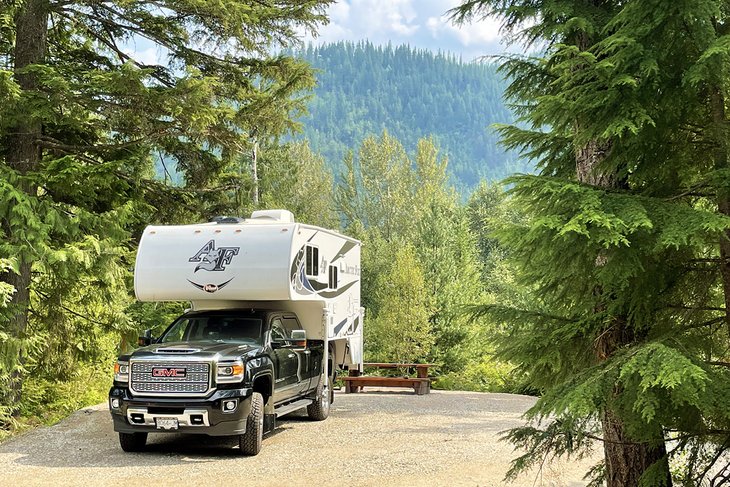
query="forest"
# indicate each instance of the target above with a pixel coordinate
(599, 281)
(364, 89)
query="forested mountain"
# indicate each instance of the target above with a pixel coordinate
(364, 89)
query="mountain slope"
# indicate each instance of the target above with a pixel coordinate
(363, 89)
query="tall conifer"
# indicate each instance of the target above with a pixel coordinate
(83, 116)
(622, 335)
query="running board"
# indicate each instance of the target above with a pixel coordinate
(288, 408)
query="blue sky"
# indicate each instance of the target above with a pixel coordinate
(419, 23)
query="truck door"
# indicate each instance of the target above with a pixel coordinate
(286, 383)
(305, 369)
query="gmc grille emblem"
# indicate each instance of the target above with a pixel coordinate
(168, 372)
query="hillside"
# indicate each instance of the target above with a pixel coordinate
(364, 89)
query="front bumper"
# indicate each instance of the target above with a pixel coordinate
(195, 415)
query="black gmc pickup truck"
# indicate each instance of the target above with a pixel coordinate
(219, 373)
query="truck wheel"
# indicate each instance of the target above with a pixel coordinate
(250, 441)
(132, 442)
(320, 408)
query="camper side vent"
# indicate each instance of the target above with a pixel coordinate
(283, 216)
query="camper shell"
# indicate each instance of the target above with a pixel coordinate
(267, 266)
(268, 261)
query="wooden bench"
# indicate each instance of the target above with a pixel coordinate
(420, 384)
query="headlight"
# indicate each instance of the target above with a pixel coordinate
(121, 371)
(229, 372)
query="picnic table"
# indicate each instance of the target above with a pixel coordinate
(421, 384)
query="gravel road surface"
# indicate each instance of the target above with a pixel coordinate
(376, 438)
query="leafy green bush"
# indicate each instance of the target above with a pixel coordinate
(47, 400)
(486, 375)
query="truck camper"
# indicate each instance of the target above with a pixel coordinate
(275, 309)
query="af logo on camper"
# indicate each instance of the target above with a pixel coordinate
(210, 258)
(213, 259)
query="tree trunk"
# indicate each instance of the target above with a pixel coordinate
(717, 106)
(24, 155)
(255, 172)
(626, 461)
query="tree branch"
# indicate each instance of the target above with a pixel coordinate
(69, 310)
(52, 143)
(696, 308)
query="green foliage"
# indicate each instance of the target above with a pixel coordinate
(83, 123)
(484, 375)
(79, 290)
(364, 89)
(398, 329)
(618, 241)
(396, 204)
(295, 178)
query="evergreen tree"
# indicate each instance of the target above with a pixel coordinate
(622, 330)
(81, 121)
(364, 89)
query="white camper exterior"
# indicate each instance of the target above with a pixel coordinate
(268, 261)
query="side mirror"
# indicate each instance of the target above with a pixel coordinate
(145, 339)
(299, 338)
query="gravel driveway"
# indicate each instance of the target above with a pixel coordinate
(376, 438)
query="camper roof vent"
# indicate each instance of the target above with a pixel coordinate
(228, 219)
(283, 216)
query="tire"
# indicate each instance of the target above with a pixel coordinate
(132, 442)
(320, 408)
(250, 441)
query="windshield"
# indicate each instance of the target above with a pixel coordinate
(219, 327)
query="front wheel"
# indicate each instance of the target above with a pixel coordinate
(320, 408)
(250, 441)
(132, 442)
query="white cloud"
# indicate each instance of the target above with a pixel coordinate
(333, 32)
(378, 19)
(422, 24)
(482, 32)
(146, 55)
(339, 12)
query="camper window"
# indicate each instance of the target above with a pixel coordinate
(333, 277)
(312, 261)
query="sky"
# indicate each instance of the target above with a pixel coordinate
(419, 23)
(422, 24)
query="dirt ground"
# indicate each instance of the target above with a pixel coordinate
(376, 438)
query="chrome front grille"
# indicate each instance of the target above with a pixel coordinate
(195, 382)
